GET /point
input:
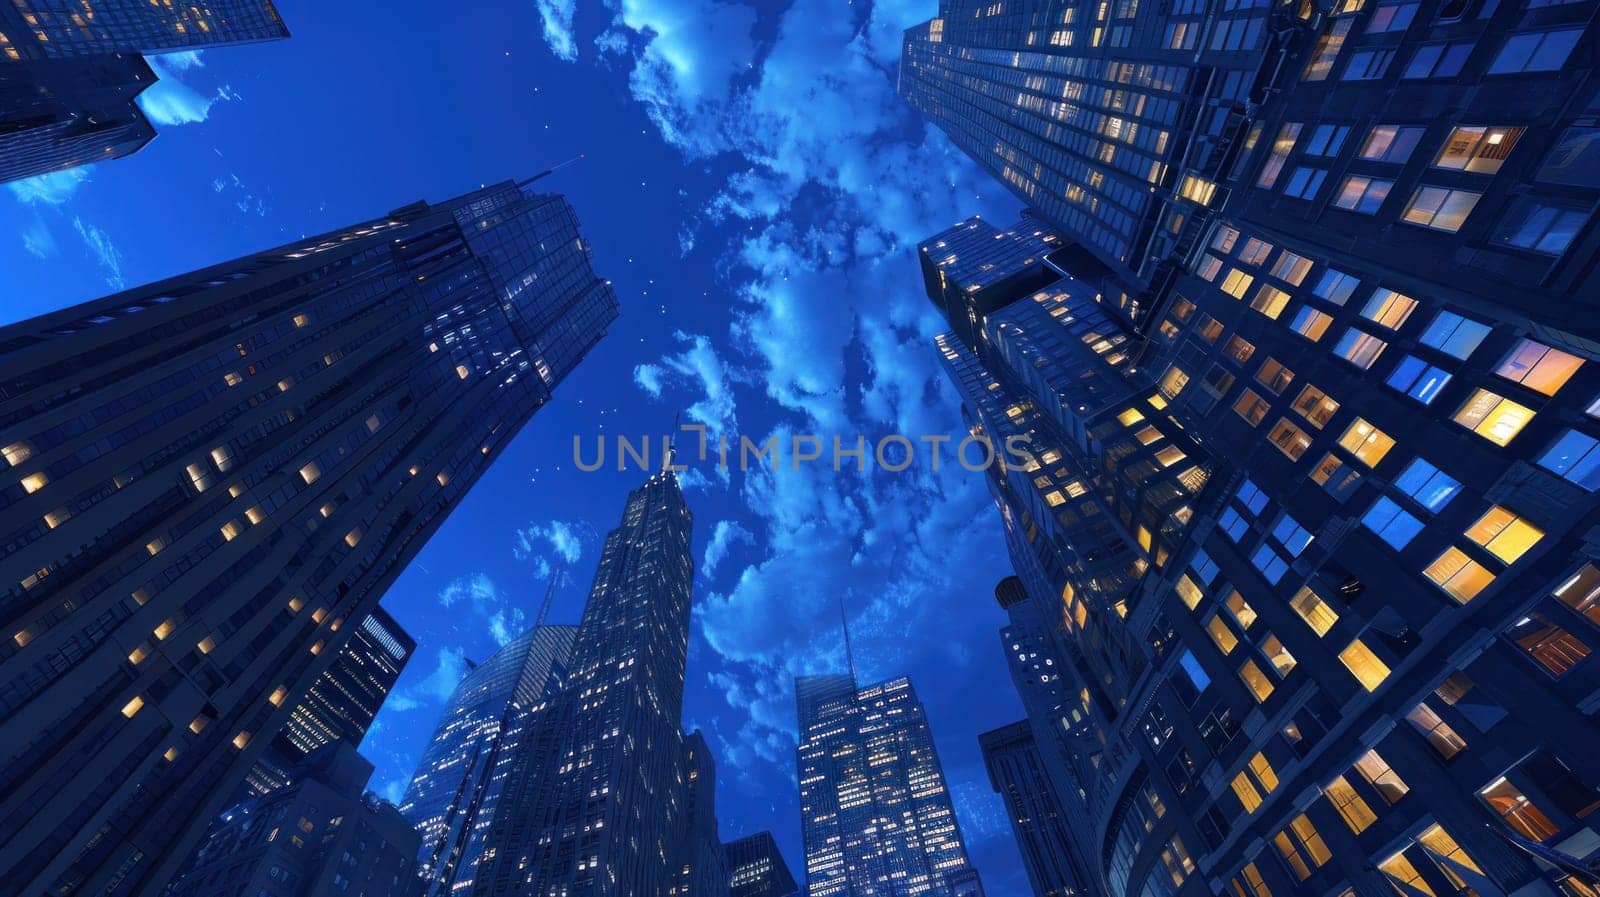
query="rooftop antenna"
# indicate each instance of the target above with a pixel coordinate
(549, 597)
(551, 170)
(672, 442)
(849, 655)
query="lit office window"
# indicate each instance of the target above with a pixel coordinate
(1438, 733)
(1518, 811)
(1504, 534)
(1368, 443)
(1493, 416)
(1548, 643)
(1316, 612)
(1440, 208)
(1366, 666)
(1382, 777)
(1459, 575)
(1356, 812)
(1538, 366)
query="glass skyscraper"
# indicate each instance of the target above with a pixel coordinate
(598, 801)
(1306, 592)
(209, 481)
(875, 814)
(1038, 815)
(452, 796)
(756, 868)
(33, 29)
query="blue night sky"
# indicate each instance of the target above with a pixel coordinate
(755, 190)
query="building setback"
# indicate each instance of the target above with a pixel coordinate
(457, 783)
(875, 814)
(209, 479)
(603, 796)
(1306, 600)
(320, 835)
(756, 868)
(70, 72)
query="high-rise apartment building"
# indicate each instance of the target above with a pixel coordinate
(756, 868)
(342, 703)
(453, 794)
(70, 72)
(210, 480)
(1340, 451)
(875, 813)
(323, 834)
(597, 801)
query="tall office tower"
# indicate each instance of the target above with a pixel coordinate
(70, 72)
(756, 868)
(1038, 815)
(342, 703)
(61, 113)
(1367, 641)
(596, 802)
(874, 810)
(453, 794)
(1108, 119)
(702, 866)
(208, 480)
(320, 835)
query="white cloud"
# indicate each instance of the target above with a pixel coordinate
(542, 543)
(557, 18)
(450, 665)
(37, 239)
(170, 101)
(106, 252)
(506, 625)
(724, 536)
(648, 378)
(52, 189)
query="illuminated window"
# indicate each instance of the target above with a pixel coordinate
(1170, 455)
(278, 695)
(34, 482)
(1274, 376)
(1355, 812)
(1289, 439)
(1504, 534)
(1538, 367)
(1581, 592)
(1544, 640)
(1362, 195)
(1326, 51)
(1520, 813)
(134, 705)
(1270, 301)
(1306, 843)
(301, 320)
(1249, 883)
(1315, 406)
(230, 530)
(1222, 635)
(1251, 407)
(1189, 591)
(1130, 417)
(1382, 777)
(1441, 846)
(1418, 379)
(1459, 575)
(1494, 417)
(16, 453)
(1310, 323)
(1389, 308)
(1359, 347)
(241, 739)
(1477, 149)
(1366, 666)
(310, 472)
(1399, 868)
(1237, 283)
(461, 371)
(1368, 443)
(1291, 268)
(1390, 143)
(1438, 732)
(1440, 208)
(1255, 680)
(1277, 655)
(1317, 613)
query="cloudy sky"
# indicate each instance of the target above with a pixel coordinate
(754, 187)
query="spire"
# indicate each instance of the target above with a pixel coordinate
(849, 655)
(549, 597)
(672, 443)
(551, 170)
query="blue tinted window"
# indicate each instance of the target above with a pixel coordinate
(1391, 523)
(1431, 487)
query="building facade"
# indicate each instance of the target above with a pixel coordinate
(343, 702)
(756, 868)
(875, 814)
(1038, 815)
(70, 72)
(453, 793)
(597, 801)
(321, 835)
(1343, 446)
(209, 479)
(702, 865)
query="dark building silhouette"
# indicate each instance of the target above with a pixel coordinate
(209, 480)
(321, 835)
(875, 813)
(1038, 816)
(1306, 597)
(70, 72)
(756, 868)
(605, 794)
(342, 704)
(453, 793)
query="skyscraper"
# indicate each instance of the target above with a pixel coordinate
(1342, 447)
(596, 802)
(209, 478)
(1038, 816)
(342, 703)
(452, 796)
(70, 72)
(875, 814)
(756, 868)
(702, 865)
